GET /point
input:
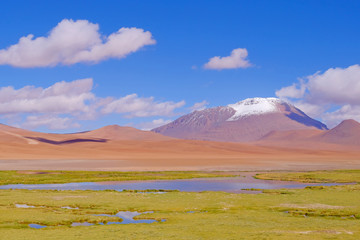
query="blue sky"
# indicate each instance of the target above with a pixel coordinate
(285, 41)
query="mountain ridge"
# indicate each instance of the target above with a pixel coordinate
(347, 133)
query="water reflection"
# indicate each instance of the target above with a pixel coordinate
(76, 224)
(37, 226)
(68, 207)
(234, 185)
(126, 217)
(24, 206)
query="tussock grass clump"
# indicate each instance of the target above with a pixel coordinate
(339, 176)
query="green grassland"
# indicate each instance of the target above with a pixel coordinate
(310, 213)
(340, 176)
(39, 177)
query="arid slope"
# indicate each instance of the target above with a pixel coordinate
(123, 148)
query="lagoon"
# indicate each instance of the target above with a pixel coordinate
(243, 184)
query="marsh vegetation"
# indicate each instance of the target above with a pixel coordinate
(43, 177)
(315, 212)
(340, 176)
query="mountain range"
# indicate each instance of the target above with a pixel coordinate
(262, 133)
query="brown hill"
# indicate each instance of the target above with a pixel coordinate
(116, 132)
(10, 134)
(103, 149)
(347, 132)
(291, 135)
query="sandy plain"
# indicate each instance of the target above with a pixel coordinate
(173, 155)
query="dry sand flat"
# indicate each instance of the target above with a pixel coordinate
(118, 148)
(170, 155)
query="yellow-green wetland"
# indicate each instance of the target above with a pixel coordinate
(42, 177)
(316, 212)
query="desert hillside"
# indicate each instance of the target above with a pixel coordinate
(124, 148)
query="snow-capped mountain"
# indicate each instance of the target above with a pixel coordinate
(254, 106)
(247, 120)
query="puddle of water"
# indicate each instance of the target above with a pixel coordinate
(23, 206)
(29, 206)
(128, 217)
(240, 184)
(68, 207)
(75, 224)
(37, 226)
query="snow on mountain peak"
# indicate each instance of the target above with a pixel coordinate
(254, 106)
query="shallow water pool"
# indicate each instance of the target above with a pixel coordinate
(240, 184)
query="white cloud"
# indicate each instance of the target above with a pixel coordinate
(153, 124)
(62, 97)
(237, 59)
(336, 85)
(345, 112)
(321, 93)
(134, 106)
(313, 110)
(199, 106)
(73, 42)
(32, 107)
(296, 90)
(51, 122)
